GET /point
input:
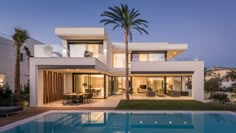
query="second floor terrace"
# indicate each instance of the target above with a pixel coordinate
(94, 44)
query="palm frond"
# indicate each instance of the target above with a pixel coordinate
(20, 36)
(123, 17)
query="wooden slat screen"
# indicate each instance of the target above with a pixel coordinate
(53, 83)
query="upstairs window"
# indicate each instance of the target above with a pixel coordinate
(148, 56)
(119, 60)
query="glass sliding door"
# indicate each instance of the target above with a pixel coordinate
(119, 85)
(139, 84)
(187, 86)
(174, 86)
(89, 83)
(80, 83)
(97, 85)
(110, 85)
(156, 84)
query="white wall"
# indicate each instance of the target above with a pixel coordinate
(42, 50)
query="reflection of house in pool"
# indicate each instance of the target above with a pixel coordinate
(124, 122)
(136, 122)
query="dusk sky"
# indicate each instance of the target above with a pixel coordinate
(207, 26)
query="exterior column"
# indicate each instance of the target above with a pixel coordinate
(165, 85)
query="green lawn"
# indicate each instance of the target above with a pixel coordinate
(166, 105)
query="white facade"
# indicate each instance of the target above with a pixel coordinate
(89, 50)
(7, 59)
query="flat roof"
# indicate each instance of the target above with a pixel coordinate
(80, 33)
(150, 46)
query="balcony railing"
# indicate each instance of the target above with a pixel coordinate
(57, 51)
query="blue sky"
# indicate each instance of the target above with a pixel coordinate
(208, 26)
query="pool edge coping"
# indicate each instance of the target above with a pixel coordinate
(23, 121)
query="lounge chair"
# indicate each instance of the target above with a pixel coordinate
(9, 110)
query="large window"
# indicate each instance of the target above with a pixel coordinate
(119, 60)
(181, 85)
(174, 84)
(148, 57)
(119, 85)
(86, 50)
(141, 84)
(167, 85)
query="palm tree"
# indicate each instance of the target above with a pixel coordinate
(126, 19)
(19, 38)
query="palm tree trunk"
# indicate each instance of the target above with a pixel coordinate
(126, 64)
(17, 71)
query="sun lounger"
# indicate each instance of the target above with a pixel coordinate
(9, 110)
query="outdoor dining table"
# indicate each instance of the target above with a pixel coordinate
(75, 97)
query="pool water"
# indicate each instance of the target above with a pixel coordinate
(127, 122)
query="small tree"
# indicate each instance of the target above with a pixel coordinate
(212, 85)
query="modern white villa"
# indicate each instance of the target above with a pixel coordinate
(90, 62)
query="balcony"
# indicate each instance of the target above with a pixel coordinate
(54, 56)
(57, 51)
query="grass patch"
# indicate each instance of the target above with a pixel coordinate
(166, 105)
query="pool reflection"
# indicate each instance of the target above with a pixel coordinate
(103, 122)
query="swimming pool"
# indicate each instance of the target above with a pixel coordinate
(125, 122)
